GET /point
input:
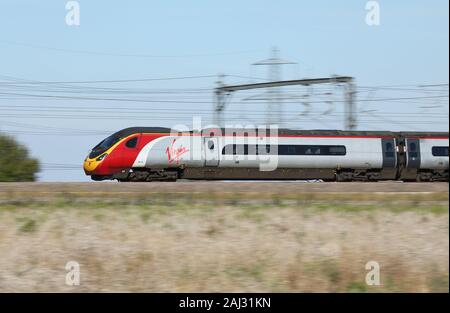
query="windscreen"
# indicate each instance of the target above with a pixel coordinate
(103, 146)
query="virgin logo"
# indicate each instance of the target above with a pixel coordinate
(174, 153)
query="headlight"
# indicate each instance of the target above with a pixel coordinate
(102, 157)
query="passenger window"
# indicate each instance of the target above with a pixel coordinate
(286, 150)
(210, 145)
(337, 150)
(291, 150)
(228, 149)
(132, 142)
(440, 151)
(240, 149)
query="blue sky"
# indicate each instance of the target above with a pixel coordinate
(155, 39)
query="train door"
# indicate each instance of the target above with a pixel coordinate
(211, 150)
(389, 153)
(130, 150)
(389, 149)
(412, 153)
(411, 161)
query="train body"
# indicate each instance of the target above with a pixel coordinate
(159, 154)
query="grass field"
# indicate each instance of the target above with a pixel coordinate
(224, 237)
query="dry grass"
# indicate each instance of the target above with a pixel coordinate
(224, 242)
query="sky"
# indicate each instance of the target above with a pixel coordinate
(64, 88)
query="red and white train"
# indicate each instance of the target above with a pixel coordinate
(157, 154)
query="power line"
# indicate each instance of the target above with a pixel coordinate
(180, 101)
(110, 81)
(133, 55)
(173, 111)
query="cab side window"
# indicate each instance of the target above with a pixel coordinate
(131, 143)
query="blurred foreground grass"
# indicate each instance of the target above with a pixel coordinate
(214, 241)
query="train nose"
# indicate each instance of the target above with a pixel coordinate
(89, 165)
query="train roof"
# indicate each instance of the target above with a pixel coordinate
(136, 130)
(284, 131)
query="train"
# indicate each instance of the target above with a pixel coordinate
(144, 154)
